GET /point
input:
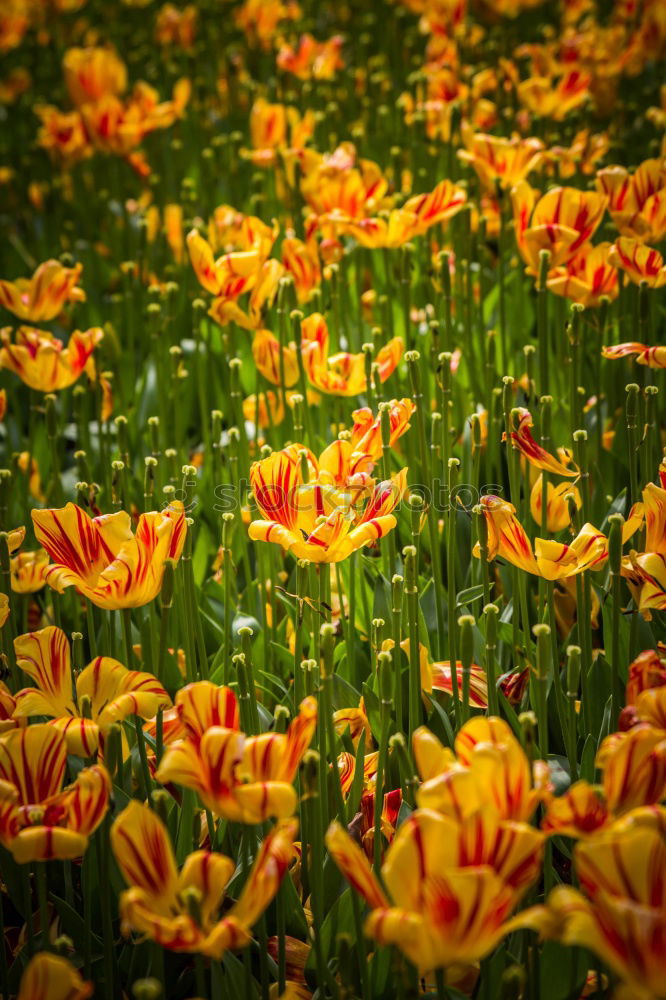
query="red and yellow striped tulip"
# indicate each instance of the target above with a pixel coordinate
(496, 158)
(435, 912)
(647, 671)
(587, 278)
(652, 357)
(181, 911)
(522, 441)
(580, 812)
(311, 60)
(51, 977)
(555, 98)
(366, 434)
(638, 261)
(38, 821)
(634, 768)
(557, 510)
(637, 202)
(317, 521)
(561, 221)
(93, 73)
(106, 691)
(101, 557)
(246, 779)
(42, 297)
(42, 361)
(342, 374)
(28, 571)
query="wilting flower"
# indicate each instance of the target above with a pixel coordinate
(587, 278)
(620, 914)
(101, 557)
(312, 60)
(435, 908)
(550, 98)
(639, 262)
(317, 521)
(37, 820)
(652, 357)
(522, 441)
(51, 977)
(497, 158)
(28, 571)
(246, 779)
(557, 509)
(342, 374)
(105, 691)
(489, 769)
(551, 560)
(560, 221)
(182, 911)
(42, 361)
(43, 296)
(637, 203)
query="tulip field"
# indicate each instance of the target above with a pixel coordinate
(332, 499)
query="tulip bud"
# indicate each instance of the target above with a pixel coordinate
(616, 522)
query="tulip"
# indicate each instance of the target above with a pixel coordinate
(228, 276)
(106, 691)
(651, 707)
(245, 779)
(272, 362)
(259, 19)
(276, 127)
(4, 609)
(93, 73)
(620, 915)
(489, 769)
(436, 912)
(51, 977)
(28, 571)
(312, 60)
(645, 672)
(101, 557)
(580, 812)
(495, 158)
(342, 374)
(561, 221)
(38, 822)
(652, 357)
(347, 770)
(7, 706)
(43, 296)
(557, 510)
(177, 27)
(388, 820)
(366, 434)
(587, 278)
(555, 98)
(42, 361)
(63, 134)
(637, 203)
(302, 262)
(634, 768)
(522, 441)
(314, 521)
(181, 910)
(355, 721)
(639, 262)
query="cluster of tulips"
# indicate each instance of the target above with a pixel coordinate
(332, 499)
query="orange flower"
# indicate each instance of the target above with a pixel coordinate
(586, 278)
(260, 18)
(272, 362)
(403, 224)
(581, 155)
(645, 672)
(312, 60)
(103, 559)
(366, 434)
(277, 128)
(93, 73)
(229, 276)
(496, 158)
(182, 910)
(43, 296)
(42, 361)
(246, 779)
(637, 203)
(555, 98)
(639, 262)
(105, 691)
(39, 822)
(561, 222)
(580, 812)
